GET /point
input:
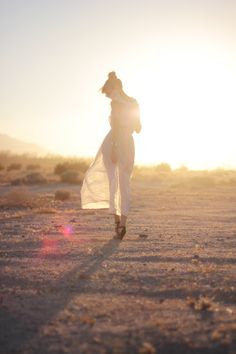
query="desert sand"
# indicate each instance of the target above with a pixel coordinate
(169, 287)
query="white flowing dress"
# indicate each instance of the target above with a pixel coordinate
(107, 184)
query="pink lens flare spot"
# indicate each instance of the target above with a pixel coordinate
(48, 246)
(66, 230)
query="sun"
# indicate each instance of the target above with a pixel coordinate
(187, 112)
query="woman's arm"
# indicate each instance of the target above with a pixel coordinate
(138, 127)
(137, 124)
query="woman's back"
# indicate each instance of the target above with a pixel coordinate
(125, 118)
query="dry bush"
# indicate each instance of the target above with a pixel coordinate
(163, 167)
(32, 167)
(62, 195)
(160, 174)
(182, 170)
(18, 181)
(72, 177)
(47, 167)
(22, 197)
(14, 166)
(80, 166)
(35, 178)
(184, 178)
(60, 168)
(30, 179)
(18, 197)
(46, 162)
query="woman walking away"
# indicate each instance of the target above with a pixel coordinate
(107, 181)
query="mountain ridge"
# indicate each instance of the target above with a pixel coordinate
(18, 146)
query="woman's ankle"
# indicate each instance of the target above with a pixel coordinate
(123, 220)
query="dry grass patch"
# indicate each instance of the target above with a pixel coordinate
(72, 177)
(18, 197)
(46, 163)
(22, 197)
(32, 167)
(35, 178)
(14, 166)
(71, 165)
(62, 195)
(45, 210)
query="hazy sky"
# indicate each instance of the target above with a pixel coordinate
(176, 57)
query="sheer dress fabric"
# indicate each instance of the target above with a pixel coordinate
(106, 184)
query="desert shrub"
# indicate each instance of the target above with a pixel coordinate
(18, 181)
(14, 166)
(60, 168)
(182, 169)
(32, 167)
(18, 197)
(62, 195)
(80, 166)
(71, 176)
(163, 167)
(35, 178)
(31, 179)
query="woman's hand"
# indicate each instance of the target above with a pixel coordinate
(138, 127)
(114, 154)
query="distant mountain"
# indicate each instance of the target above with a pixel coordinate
(17, 146)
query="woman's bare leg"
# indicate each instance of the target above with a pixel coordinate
(117, 218)
(123, 220)
(117, 222)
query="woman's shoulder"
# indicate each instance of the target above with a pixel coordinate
(126, 101)
(133, 101)
(130, 101)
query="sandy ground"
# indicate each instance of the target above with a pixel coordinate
(169, 287)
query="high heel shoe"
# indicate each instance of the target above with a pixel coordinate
(121, 231)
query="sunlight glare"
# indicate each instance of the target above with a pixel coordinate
(187, 107)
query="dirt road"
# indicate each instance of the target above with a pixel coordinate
(169, 287)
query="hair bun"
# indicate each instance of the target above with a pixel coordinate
(112, 83)
(112, 75)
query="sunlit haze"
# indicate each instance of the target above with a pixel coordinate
(176, 57)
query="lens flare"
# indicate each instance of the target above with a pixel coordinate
(48, 247)
(66, 231)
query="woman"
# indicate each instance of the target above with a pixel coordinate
(107, 181)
